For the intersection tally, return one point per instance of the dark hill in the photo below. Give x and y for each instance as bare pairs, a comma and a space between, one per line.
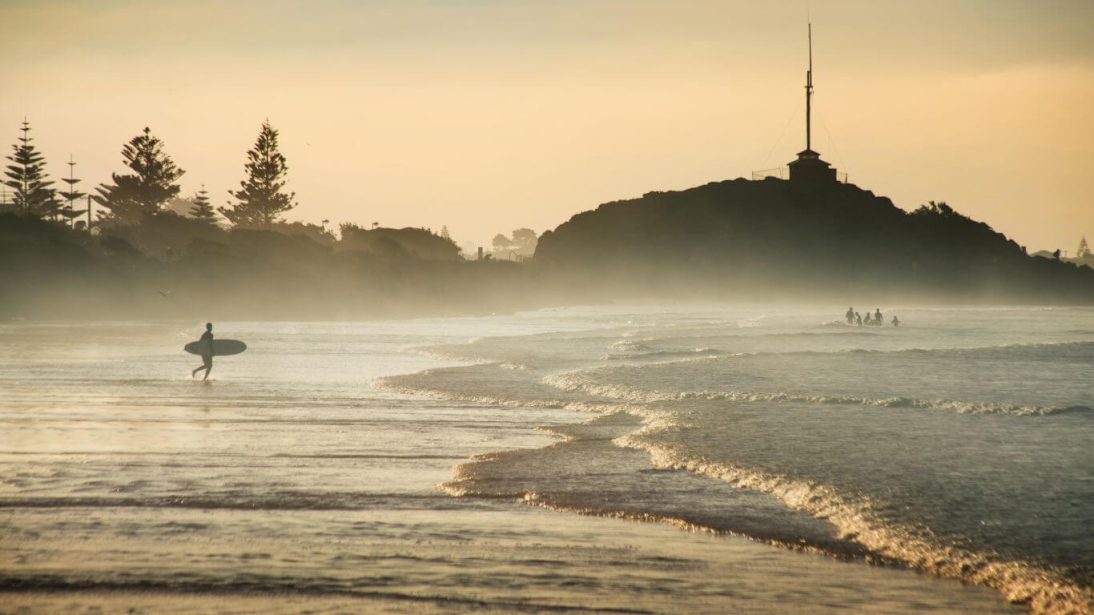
772, 238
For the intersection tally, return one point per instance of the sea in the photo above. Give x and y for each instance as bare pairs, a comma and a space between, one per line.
620, 459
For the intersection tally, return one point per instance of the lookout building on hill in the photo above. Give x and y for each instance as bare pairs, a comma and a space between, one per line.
808, 169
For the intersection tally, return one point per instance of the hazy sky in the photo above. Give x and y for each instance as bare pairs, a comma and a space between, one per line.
486, 116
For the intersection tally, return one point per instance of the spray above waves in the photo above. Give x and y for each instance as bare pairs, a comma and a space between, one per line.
582, 380
663, 355
440, 384
585, 390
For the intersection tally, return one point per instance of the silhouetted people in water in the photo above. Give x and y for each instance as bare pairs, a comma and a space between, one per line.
875, 320
207, 356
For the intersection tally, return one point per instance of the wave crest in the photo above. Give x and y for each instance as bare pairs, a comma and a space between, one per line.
1045, 591
582, 380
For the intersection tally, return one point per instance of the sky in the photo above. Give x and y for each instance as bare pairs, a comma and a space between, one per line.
487, 115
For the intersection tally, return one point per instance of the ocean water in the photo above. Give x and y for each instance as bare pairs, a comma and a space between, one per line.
746, 459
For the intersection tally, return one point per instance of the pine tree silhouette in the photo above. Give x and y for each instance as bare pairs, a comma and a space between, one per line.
260, 199
27, 177
203, 210
148, 187
72, 194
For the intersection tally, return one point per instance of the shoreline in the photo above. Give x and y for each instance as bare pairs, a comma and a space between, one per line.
461, 487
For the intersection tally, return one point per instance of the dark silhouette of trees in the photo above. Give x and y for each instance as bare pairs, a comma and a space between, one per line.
501, 243
261, 199
203, 210
399, 244
72, 194
521, 245
28, 178
524, 241
938, 209
144, 191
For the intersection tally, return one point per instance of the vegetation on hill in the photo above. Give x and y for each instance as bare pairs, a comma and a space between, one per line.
771, 238
170, 266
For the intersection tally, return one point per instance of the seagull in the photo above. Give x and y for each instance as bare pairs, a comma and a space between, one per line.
165, 293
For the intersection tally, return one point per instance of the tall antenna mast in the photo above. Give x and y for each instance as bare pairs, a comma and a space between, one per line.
809, 95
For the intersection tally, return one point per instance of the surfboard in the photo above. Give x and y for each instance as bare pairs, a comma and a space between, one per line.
221, 348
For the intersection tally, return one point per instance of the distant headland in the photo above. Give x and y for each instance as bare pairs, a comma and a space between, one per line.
776, 238
812, 235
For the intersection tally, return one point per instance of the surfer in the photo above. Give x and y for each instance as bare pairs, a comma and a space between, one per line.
207, 356
850, 316
896, 321
877, 316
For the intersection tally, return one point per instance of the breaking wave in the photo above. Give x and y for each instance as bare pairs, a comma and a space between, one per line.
584, 381
1046, 592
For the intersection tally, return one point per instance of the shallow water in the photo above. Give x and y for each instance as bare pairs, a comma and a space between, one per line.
961, 443
296, 472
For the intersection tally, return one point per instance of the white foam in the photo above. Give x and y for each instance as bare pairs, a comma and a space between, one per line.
584, 381
1045, 591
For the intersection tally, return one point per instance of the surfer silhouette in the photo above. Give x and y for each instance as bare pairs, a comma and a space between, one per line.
207, 355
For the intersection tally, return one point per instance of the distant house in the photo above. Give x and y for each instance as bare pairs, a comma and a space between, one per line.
809, 168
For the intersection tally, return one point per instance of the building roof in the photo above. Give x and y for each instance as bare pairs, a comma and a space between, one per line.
808, 156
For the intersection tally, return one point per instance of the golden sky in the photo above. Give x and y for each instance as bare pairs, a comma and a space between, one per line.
489, 115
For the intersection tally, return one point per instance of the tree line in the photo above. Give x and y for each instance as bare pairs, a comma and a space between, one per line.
148, 183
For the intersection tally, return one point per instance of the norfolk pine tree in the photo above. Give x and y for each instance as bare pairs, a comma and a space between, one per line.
203, 210
147, 188
260, 200
72, 194
28, 178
